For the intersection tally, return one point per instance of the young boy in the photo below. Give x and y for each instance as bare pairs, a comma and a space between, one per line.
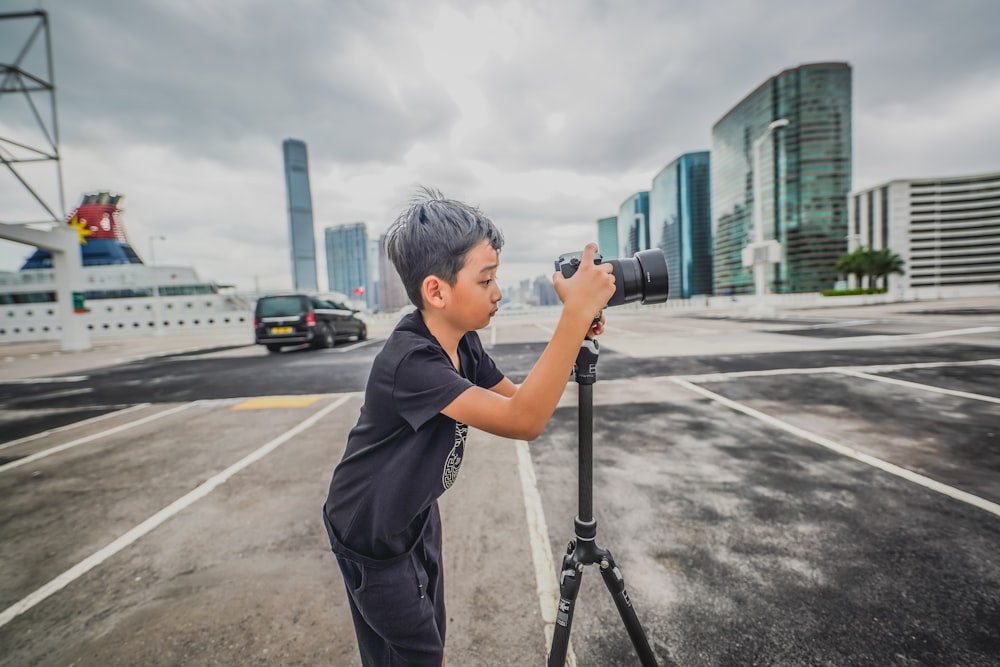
431, 381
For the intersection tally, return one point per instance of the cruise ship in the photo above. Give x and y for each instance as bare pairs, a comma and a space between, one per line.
122, 295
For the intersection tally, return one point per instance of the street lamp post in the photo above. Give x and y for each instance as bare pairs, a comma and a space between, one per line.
153, 279
761, 254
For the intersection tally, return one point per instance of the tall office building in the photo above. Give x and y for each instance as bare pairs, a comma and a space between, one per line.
300, 215
633, 224
392, 294
805, 179
680, 223
375, 293
607, 237
946, 231
347, 261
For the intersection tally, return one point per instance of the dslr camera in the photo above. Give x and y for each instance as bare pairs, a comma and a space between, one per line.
642, 277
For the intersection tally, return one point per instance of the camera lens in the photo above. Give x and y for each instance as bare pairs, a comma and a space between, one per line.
643, 278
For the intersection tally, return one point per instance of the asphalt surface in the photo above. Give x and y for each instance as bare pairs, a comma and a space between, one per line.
818, 487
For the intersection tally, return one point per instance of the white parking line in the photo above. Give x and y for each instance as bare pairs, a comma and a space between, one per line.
927, 482
888, 368
85, 422
929, 334
152, 522
842, 324
538, 531
90, 438
46, 380
922, 387
356, 344
620, 331
874, 368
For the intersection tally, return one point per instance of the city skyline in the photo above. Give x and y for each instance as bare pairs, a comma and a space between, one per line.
545, 123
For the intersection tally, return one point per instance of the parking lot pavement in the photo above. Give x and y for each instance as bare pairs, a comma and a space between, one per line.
792, 490
799, 512
45, 359
135, 543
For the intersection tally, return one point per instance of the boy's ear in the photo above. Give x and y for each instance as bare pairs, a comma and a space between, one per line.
434, 290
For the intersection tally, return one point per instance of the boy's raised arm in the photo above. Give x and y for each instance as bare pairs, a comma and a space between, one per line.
525, 413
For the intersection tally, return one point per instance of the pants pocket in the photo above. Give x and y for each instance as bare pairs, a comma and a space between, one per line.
396, 605
355, 574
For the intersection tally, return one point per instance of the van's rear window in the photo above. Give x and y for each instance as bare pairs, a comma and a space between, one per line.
280, 305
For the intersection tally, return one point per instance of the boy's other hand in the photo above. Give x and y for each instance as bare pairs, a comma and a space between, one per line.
591, 286
597, 328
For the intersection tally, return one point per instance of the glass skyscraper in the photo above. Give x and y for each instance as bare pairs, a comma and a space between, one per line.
300, 215
805, 179
680, 223
347, 261
633, 224
607, 237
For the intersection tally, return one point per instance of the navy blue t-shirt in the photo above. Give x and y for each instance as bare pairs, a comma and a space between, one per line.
403, 453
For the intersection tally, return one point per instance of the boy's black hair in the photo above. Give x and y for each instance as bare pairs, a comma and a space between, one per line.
432, 238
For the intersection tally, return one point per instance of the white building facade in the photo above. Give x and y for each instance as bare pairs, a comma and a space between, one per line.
946, 230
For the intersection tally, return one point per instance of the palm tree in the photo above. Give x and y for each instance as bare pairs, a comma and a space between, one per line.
873, 264
883, 262
853, 264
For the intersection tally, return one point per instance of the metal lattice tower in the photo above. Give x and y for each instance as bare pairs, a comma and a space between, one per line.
29, 128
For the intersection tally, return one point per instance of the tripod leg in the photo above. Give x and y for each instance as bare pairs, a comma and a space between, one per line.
616, 585
569, 587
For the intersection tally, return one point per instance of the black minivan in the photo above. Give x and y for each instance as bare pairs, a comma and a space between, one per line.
283, 320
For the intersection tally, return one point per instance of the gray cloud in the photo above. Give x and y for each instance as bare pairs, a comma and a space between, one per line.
183, 106
204, 81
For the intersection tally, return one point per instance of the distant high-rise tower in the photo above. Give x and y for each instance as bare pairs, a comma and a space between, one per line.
347, 261
391, 293
633, 224
680, 223
607, 236
804, 181
300, 215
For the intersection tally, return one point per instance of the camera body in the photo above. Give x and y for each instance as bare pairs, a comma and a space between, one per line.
642, 277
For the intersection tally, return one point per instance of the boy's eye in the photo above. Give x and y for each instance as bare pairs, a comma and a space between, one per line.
486, 283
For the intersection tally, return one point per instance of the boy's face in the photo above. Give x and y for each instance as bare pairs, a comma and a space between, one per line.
475, 294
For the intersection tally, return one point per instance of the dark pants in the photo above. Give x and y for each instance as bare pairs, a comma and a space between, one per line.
398, 605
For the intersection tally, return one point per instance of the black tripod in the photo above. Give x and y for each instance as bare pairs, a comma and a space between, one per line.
584, 550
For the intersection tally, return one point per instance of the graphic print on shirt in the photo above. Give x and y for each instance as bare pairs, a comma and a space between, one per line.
454, 460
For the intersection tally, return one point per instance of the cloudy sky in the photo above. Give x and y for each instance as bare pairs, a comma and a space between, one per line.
547, 115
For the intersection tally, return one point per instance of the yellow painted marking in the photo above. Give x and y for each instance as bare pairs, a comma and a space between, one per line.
268, 402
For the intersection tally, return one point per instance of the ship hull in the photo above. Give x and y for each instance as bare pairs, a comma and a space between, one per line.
121, 301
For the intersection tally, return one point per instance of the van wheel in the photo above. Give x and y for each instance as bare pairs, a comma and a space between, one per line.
363, 332
326, 338
273, 349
